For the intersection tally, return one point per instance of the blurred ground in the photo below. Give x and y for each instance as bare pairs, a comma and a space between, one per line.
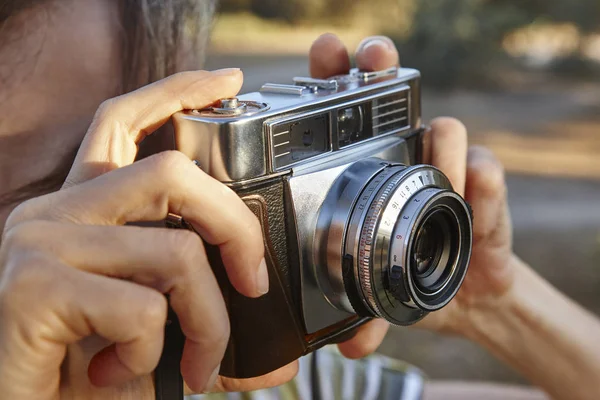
547, 134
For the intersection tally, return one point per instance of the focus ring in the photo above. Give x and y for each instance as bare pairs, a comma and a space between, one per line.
371, 234
366, 242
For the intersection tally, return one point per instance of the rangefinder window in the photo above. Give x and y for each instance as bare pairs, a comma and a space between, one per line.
298, 140
351, 125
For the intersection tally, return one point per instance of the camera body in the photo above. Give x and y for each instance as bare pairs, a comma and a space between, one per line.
354, 228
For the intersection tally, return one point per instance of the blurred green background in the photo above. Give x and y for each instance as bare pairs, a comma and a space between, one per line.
457, 42
524, 77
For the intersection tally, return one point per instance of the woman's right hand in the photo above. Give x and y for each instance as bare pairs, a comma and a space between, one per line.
71, 271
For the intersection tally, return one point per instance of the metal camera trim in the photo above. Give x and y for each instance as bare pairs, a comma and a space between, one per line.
370, 237
272, 123
465, 243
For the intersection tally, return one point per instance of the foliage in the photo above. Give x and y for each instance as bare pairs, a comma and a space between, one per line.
293, 11
450, 41
460, 41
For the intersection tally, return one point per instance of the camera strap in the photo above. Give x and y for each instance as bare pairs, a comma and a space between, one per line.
168, 382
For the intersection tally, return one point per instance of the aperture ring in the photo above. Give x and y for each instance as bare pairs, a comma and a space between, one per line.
366, 244
380, 214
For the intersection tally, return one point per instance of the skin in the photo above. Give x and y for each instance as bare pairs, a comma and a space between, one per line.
65, 332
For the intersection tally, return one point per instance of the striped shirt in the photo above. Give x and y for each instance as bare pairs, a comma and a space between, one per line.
327, 375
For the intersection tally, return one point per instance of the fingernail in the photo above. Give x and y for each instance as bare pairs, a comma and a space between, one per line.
212, 381
374, 42
262, 278
226, 71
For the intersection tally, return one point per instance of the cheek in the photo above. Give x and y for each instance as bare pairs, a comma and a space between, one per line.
80, 62
90, 50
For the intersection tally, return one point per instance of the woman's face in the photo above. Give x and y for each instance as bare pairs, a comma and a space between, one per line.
58, 62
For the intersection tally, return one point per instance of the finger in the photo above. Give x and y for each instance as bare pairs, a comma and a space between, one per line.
121, 123
445, 147
272, 379
149, 189
376, 53
485, 191
171, 261
51, 305
328, 57
137, 349
367, 339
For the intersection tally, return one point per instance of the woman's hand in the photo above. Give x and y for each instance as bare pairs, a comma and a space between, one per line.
475, 173
481, 182
82, 297
503, 304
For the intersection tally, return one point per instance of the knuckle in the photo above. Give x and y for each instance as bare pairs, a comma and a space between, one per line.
109, 113
153, 313
183, 248
106, 109
21, 213
23, 236
24, 276
169, 165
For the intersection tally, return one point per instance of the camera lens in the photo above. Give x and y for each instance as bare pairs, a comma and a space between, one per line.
434, 250
427, 249
406, 246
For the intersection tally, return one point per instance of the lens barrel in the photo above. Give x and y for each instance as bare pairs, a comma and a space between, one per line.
409, 237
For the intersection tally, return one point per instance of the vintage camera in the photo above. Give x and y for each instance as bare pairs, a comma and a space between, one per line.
354, 227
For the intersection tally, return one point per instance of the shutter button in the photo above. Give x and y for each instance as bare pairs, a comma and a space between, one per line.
230, 106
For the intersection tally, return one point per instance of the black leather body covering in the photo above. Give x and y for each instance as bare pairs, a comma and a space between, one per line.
267, 332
